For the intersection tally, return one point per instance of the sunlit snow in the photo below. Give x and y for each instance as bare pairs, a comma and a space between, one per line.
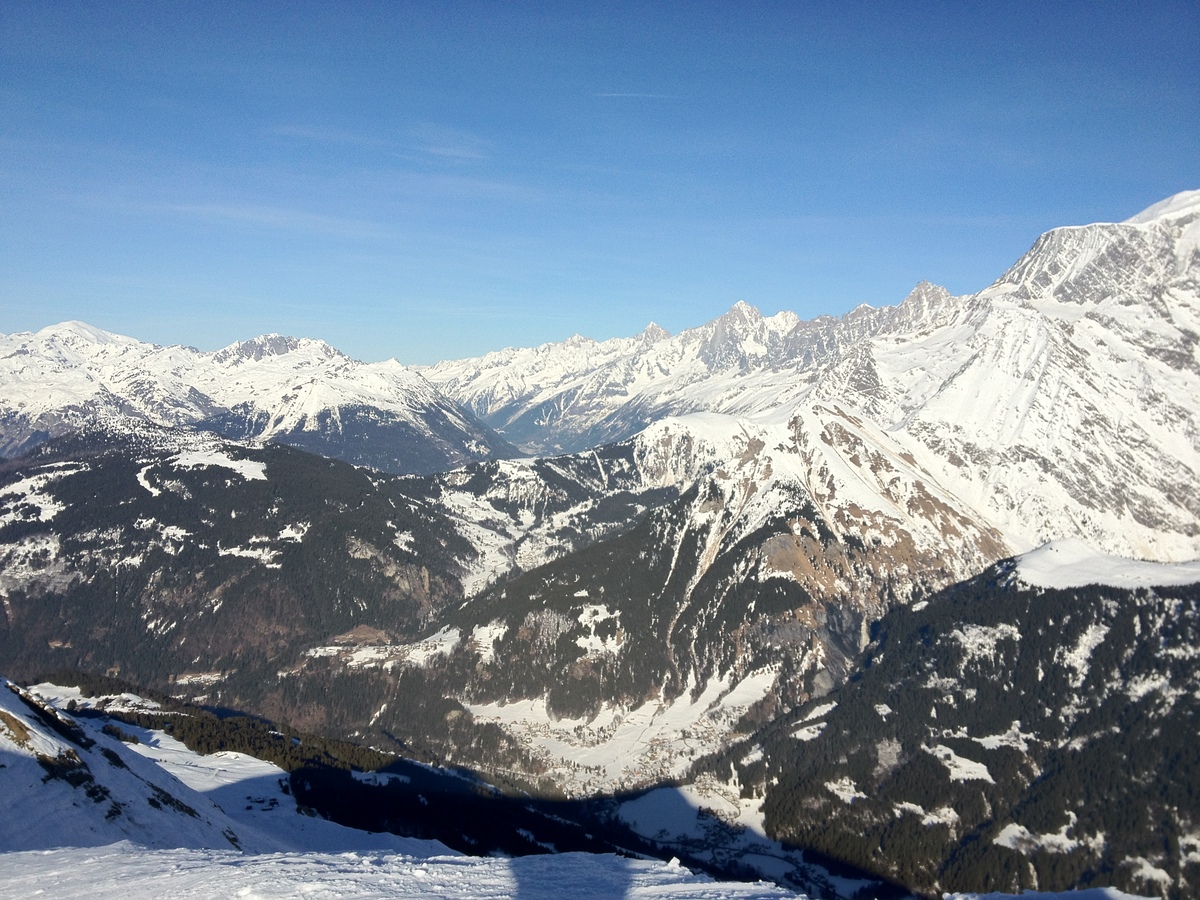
1071, 563
249, 469
624, 748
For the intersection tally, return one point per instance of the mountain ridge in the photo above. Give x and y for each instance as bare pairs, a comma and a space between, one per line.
299, 391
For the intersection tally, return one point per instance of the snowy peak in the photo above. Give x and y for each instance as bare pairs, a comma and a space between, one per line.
743, 338
1133, 261
654, 333
925, 300
75, 332
741, 315
1185, 203
734, 339
298, 391
67, 343
1059, 401
269, 345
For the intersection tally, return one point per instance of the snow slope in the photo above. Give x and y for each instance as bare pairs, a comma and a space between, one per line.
222, 826
155, 793
127, 872
1071, 563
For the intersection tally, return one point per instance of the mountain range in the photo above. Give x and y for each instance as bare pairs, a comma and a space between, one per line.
713, 537
1068, 384
272, 388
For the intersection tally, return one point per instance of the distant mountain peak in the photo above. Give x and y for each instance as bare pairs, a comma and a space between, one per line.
81, 331
298, 391
928, 292
654, 333
742, 312
267, 345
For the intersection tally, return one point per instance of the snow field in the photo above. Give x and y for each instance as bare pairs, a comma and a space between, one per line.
959, 767
1071, 563
250, 470
124, 871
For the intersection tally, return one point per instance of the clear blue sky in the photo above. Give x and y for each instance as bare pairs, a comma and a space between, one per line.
436, 180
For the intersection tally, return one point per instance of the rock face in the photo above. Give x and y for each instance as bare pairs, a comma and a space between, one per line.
272, 388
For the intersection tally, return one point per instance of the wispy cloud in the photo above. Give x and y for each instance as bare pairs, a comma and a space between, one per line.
282, 218
450, 143
428, 139
637, 96
326, 136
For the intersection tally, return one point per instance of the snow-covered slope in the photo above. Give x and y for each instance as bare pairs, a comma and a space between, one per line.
64, 787
68, 782
302, 392
157, 820
127, 872
1071, 563
1063, 400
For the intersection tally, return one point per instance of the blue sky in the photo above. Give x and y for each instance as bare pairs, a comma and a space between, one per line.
436, 180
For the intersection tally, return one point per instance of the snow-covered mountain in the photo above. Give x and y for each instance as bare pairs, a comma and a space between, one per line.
1062, 400
873, 460
272, 388
246, 575
578, 394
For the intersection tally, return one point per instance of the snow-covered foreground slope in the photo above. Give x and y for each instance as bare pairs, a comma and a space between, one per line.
80, 786
301, 392
85, 814
58, 836
127, 872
